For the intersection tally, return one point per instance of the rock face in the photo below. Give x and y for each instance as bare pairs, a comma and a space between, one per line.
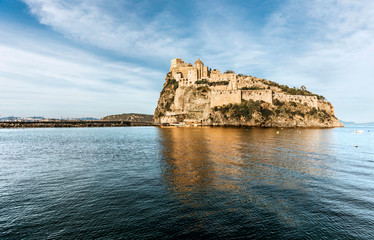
209, 98
129, 117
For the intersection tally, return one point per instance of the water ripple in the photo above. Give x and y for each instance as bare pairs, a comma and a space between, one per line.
199, 183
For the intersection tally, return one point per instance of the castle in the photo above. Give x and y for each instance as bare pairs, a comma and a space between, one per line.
223, 89
237, 87
187, 75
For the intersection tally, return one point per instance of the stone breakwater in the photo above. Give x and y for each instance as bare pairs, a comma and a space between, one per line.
71, 124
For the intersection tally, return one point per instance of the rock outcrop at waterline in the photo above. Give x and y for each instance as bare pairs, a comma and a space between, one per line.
195, 94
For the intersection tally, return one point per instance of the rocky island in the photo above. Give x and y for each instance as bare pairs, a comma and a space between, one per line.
195, 95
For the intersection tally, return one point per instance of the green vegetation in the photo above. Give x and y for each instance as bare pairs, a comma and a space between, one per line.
172, 82
229, 71
276, 102
168, 90
218, 83
168, 104
322, 114
313, 111
265, 112
203, 88
245, 109
159, 114
252, 88
202, 81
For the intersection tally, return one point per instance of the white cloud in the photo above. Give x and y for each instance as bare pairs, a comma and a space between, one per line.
114, 26
44, 77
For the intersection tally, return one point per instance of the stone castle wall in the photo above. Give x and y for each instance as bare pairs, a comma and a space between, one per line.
224, 97
258, 95
323, 105
311, 101
250, 82
222, 76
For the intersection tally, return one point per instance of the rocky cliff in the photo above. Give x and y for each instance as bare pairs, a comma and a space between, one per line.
250, 102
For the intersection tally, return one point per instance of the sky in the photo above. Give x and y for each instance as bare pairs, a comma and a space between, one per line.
92, 58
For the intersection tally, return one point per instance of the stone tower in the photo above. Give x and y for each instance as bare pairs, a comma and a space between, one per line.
199, 65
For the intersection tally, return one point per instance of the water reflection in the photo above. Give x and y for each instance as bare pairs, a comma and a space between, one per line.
250, 166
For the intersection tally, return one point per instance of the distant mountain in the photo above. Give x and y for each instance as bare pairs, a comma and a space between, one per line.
357, 124
131, 117
11, 118
35, 118
86, 119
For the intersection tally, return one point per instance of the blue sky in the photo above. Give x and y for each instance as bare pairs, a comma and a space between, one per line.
93, 58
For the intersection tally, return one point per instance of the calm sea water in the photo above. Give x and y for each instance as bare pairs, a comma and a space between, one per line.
200, 183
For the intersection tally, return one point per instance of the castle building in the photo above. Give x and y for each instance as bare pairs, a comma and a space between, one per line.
187, 74
216, 89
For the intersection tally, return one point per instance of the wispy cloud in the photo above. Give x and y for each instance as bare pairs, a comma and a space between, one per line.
53, 78
116, 26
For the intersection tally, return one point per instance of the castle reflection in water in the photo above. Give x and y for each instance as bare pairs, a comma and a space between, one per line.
246, 164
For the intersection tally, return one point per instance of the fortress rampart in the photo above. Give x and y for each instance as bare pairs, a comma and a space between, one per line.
311, 101
224, 97
326, 106
258, 95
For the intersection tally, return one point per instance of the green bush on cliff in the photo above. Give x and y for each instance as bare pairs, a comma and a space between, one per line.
167, 105
298, 112
276, 102
252, 88
202, 81
313, 111
172, 82
159, 114
244, 109
203, 89
266, 113
218, 83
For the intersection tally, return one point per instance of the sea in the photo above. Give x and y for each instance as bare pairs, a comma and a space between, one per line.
187, 183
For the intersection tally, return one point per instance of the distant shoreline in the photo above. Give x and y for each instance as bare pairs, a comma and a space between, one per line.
70, 124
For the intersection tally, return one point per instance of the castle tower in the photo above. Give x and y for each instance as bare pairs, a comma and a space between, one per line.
177, 62
199, 66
